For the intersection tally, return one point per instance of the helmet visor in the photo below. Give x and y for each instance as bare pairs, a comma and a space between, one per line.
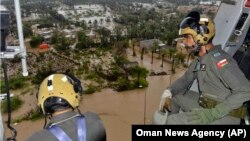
189, 22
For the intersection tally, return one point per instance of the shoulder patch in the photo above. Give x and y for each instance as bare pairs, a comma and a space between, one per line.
216, 54
222, 63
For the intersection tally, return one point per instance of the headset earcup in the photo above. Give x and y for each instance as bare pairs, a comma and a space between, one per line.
76, 83
76, 88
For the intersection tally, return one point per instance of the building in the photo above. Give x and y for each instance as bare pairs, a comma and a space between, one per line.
210, 2
147, 44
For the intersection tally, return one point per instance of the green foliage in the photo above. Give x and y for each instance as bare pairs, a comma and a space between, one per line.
180, 57
114, 73
81, 36
104, 36
45, 23
91, 75
62, 44
16, 59
120, 60
142, 83
137, 70
83, 41
15, 103
33, 114
14, 83
41, 74
54, 37
36, 40
122, 84
90, 89
27, 31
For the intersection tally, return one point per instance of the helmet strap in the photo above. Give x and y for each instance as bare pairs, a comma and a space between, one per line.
197, 48
79, 112
45, 121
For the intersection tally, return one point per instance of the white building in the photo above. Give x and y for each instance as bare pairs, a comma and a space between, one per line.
210, 2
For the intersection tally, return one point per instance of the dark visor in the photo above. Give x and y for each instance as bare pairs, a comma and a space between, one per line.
189, 22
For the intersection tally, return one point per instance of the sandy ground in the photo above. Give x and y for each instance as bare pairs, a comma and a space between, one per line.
118, 110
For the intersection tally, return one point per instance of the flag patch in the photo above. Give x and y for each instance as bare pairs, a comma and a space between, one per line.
222, 63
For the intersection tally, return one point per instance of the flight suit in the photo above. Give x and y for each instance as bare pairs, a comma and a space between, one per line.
95, 130
219, 79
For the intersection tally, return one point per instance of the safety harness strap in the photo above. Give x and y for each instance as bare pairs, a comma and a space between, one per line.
62, 136
59, 133
81, 128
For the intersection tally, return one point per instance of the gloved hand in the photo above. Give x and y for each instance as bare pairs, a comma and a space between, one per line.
205, 116
165, 101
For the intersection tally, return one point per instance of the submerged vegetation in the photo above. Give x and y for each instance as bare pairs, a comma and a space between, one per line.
15, 103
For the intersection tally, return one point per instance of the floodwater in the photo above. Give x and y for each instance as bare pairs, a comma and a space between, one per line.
118, 110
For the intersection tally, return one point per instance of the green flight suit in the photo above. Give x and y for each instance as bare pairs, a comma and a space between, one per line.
95, 130
219, 78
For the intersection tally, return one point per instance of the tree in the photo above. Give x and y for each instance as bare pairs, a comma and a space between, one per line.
95, 23
120, 48
153, 49
63, 43
27, 31
118, 32
163, 53
133, 44
101, 21
139, 72
181, 57
36, 40
142, 52
108, 20
104, 35
54, 37
172, 51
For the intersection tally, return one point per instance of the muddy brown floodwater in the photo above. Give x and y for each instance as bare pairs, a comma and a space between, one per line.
118, 110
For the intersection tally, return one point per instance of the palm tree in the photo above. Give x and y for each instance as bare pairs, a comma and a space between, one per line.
171, 52
153, 49
163, 52
95, 23
173, 63
181, 57
118, 32
101, 21
142, 52
133, 43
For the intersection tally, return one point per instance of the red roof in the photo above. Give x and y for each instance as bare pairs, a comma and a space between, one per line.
43, 46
